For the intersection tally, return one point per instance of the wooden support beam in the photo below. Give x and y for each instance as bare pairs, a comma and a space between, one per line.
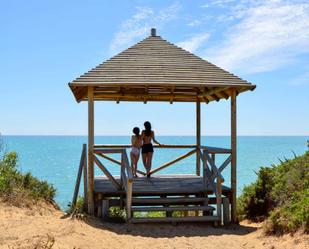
198, 137
107, 173
173, 161
107, 151
226, 162
214, 169
79, 176
211, 91
223, 94
166, 146
141, 96
117, 162
146, 94
172, 95
206, 100
215, 97
109, 158
234, 157
207, 176
90, 150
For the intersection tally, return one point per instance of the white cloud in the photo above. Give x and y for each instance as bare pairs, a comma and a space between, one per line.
217, 3
194, 42
268, 36
253, 36
194, 23
140, 24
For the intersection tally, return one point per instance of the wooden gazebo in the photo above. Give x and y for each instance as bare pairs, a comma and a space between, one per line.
156, 70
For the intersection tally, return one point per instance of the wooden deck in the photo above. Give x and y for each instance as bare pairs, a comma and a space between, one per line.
182, 193
157, 185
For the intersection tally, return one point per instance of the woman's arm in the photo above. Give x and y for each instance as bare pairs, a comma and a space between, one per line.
154, 139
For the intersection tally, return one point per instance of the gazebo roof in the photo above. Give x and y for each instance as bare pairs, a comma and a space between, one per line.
157, 70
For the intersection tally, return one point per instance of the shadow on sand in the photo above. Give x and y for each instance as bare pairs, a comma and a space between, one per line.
169, 230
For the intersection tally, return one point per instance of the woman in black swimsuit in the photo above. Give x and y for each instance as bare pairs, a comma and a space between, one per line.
147, 149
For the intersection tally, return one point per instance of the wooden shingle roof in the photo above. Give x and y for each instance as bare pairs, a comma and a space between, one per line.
157, 70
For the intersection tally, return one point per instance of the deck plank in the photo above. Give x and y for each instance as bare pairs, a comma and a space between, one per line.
156, 185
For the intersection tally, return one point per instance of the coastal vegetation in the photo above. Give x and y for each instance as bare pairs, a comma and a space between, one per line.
21, 189
280, 195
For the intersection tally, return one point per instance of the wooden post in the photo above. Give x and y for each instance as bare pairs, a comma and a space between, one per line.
129, 200
105, 209
98, 201
226, 210
219, 198
234, 157
90, 151
198, 137
85, 174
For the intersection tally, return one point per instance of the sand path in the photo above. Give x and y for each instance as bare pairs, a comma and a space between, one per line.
22, 228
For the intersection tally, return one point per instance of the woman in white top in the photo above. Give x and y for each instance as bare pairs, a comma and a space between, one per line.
136, 141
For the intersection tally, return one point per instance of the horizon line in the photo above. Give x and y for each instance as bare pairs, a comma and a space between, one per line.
173, 135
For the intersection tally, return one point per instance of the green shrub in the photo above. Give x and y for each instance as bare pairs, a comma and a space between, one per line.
255, 201
14, 185
281, 193
79, 208
117, 212
290, 216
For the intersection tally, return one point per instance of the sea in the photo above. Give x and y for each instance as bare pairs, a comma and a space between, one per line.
56, 158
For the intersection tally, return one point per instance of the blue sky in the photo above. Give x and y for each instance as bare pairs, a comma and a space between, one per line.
46, 44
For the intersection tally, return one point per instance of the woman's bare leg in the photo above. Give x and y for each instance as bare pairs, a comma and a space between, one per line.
136, 162
149, 161
134, 166
132, 162
144, 157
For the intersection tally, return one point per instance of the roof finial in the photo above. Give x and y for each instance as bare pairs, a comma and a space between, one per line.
153, 32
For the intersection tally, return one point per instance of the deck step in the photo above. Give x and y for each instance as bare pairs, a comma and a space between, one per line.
171, 209
169, 200
175, 219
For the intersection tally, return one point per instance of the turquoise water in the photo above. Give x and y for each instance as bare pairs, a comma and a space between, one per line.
56, 158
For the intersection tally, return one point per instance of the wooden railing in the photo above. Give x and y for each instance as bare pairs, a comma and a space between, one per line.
159, 168
126, 177
127, 182
210, 151
212, 175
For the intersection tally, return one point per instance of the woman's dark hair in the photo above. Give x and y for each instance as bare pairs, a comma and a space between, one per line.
136, 131
147, 128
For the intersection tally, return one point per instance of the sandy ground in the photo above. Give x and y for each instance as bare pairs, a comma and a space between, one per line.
46, 228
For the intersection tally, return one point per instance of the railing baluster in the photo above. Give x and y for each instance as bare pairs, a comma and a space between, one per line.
127, 182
